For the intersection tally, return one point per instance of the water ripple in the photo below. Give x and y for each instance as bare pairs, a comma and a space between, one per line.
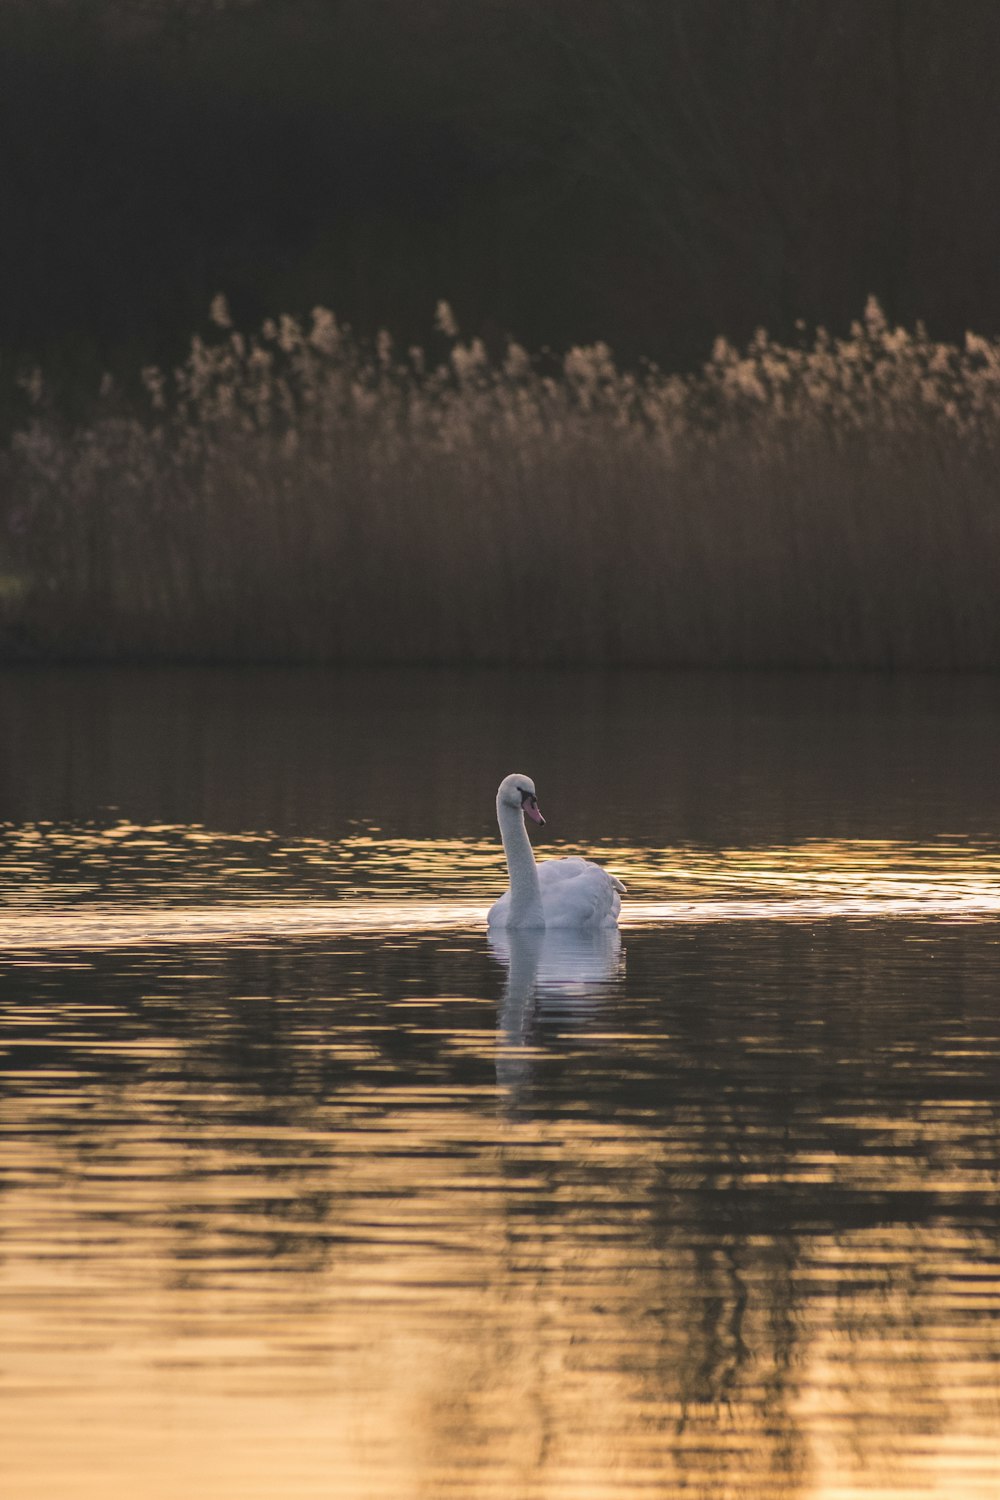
126, 886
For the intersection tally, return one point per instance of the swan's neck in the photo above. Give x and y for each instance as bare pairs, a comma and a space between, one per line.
525, 891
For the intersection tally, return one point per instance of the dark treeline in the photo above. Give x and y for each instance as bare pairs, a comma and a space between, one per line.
650, 172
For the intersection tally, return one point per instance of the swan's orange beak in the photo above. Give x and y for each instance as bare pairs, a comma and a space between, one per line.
531, 811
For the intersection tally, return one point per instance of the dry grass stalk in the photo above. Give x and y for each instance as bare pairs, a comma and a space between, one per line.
289, 496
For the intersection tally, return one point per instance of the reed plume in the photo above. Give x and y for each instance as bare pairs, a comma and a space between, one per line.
292, 495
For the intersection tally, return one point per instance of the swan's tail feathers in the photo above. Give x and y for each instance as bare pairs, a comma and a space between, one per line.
617, 884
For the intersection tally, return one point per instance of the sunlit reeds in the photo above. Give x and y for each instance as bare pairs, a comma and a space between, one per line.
292, 495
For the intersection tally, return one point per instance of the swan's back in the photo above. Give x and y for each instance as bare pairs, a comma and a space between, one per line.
578, 893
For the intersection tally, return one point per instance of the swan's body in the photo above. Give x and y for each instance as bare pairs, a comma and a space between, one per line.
572, 892
569, 892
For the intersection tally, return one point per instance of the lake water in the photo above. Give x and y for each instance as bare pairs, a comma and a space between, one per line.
307, 1189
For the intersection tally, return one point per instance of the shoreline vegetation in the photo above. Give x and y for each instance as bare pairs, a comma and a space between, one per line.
293, 496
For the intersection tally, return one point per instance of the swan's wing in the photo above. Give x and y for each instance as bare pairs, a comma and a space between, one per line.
578, 893
552, 872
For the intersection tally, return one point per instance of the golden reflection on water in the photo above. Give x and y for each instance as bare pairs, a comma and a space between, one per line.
386, 1316
707, 1209
127, 884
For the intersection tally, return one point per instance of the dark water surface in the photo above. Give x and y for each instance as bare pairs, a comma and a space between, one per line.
306, 1189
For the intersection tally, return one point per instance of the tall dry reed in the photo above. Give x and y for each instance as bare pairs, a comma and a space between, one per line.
289, 496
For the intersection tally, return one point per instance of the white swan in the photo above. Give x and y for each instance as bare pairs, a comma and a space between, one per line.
567, 892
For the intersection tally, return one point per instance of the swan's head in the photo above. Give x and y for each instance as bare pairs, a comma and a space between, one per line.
519, 791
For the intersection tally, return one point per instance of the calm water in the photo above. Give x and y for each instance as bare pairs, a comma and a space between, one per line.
306, 1189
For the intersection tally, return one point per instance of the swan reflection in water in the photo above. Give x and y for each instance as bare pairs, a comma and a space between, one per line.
554, 975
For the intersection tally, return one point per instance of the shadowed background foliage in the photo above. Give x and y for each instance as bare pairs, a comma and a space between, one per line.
608, 193
649, 172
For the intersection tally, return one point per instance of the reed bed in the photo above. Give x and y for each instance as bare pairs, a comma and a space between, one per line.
292, 496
